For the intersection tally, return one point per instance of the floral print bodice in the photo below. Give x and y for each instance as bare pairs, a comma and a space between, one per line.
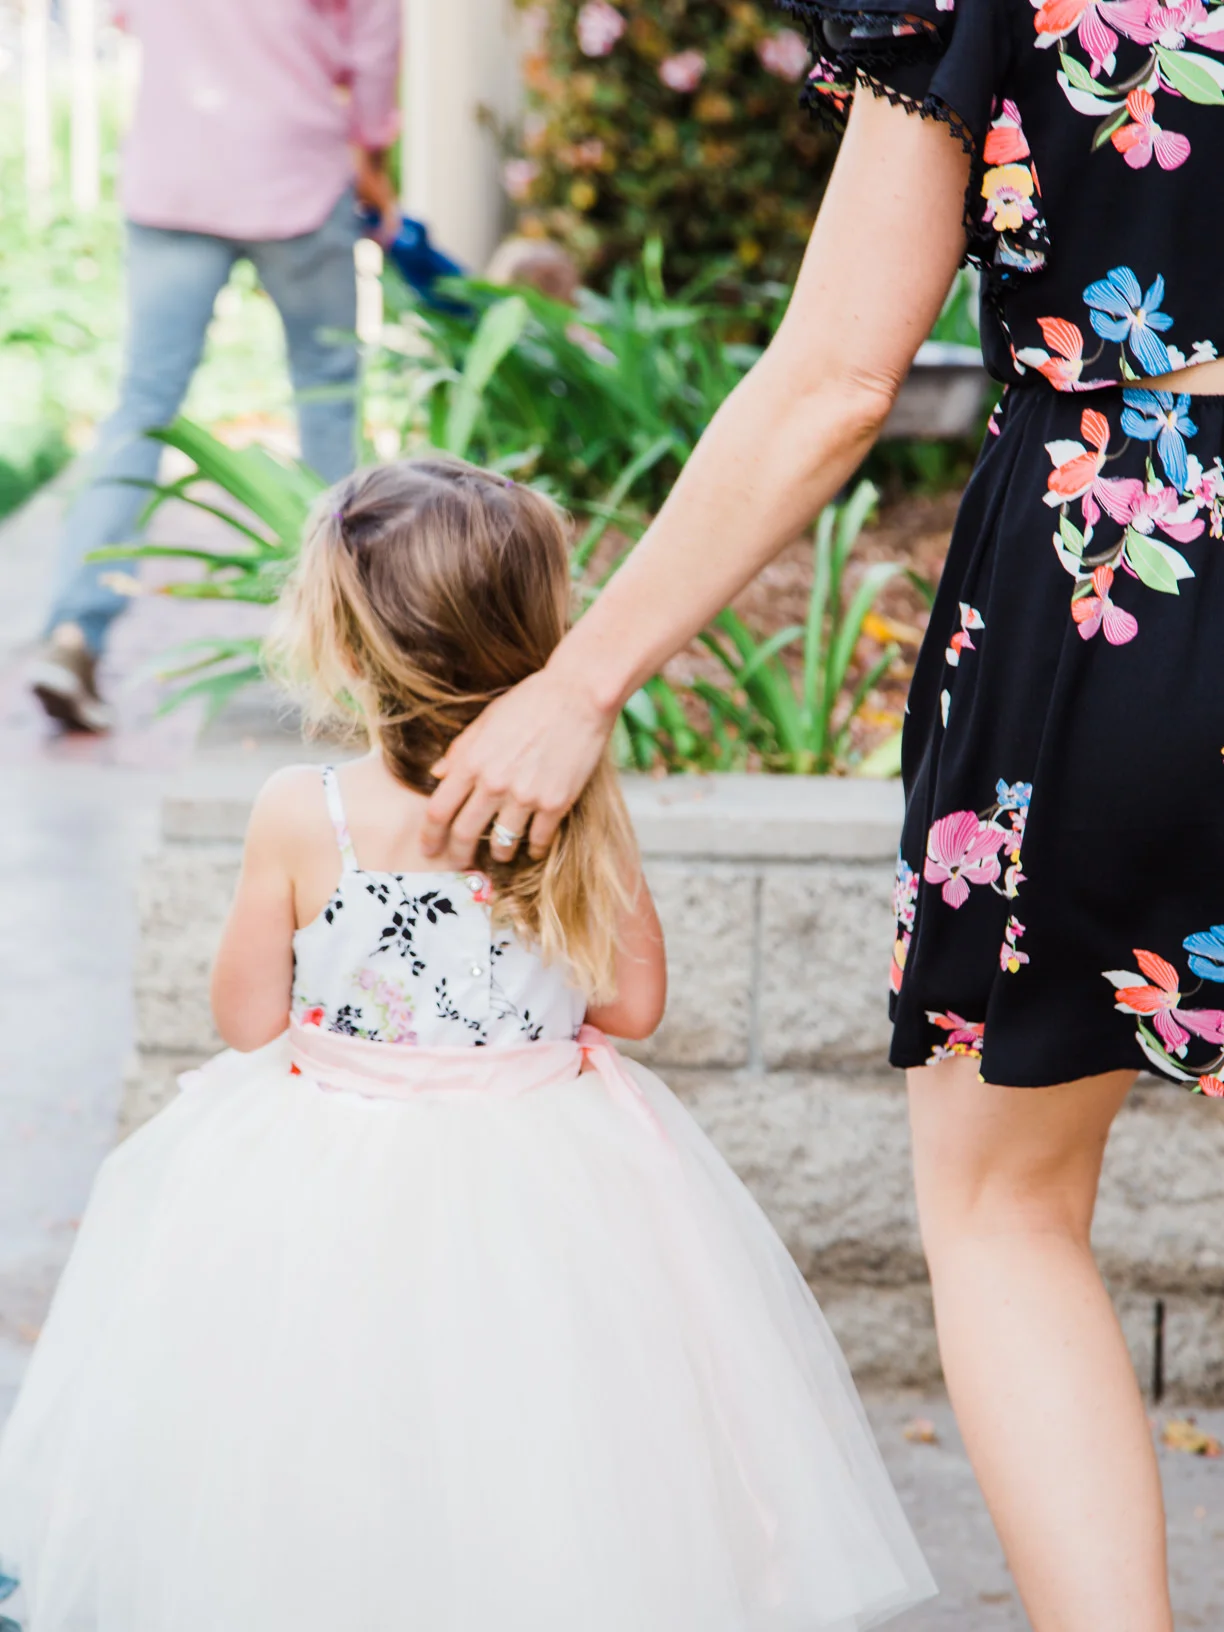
413, 958
1095, 128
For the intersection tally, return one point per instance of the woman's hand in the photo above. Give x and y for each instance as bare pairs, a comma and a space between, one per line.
520, 766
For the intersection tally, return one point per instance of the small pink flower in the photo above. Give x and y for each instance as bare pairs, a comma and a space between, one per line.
1144, 140
535, 29
964, 1036
311, 1017
598, 28
784, 55
1160, 999
519, 176
962, 850
683, 72
1128, 501
1097, 612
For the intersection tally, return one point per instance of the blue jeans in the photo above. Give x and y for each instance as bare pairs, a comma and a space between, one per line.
173, 279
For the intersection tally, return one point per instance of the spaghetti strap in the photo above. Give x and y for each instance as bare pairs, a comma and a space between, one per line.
335, 809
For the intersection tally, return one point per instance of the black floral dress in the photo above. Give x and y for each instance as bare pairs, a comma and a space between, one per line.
1060, 888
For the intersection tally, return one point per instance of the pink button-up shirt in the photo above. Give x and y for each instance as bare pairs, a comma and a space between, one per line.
247, 110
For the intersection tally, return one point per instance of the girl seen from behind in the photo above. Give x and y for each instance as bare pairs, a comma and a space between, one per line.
423, 1307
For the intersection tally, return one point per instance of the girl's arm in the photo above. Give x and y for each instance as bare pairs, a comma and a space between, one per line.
882, 255
641, 974
252, 978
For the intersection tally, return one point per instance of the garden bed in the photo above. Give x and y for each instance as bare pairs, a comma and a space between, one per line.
912, 528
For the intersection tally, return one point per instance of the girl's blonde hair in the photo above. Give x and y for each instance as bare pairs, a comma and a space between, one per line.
424, 590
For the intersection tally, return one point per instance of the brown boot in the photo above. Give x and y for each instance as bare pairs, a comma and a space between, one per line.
64, 679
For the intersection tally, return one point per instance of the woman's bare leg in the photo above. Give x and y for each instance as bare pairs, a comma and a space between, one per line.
1032, 1351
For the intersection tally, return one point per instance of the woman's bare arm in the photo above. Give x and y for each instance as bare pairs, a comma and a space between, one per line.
881, 258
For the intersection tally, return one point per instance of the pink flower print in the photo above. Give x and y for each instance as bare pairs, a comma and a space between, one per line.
965, 1037
1138, 143
1098, 612
519, 176
311, 1017
1077, 468
962, 850
1057, 18
599, 26
971, 619
1011, 959
1160, 999
683, 72
1063, 364
1128, 501
1171, 27
784, 55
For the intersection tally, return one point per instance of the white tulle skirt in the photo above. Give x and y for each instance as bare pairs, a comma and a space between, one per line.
461, 1360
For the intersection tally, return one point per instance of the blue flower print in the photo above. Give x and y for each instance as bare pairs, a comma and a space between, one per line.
1120, 311
1156, 416
1019, 796
1206, 949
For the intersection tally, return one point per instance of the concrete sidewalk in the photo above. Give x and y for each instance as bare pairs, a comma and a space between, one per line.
75, 819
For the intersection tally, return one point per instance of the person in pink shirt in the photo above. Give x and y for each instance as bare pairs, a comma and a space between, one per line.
258, 125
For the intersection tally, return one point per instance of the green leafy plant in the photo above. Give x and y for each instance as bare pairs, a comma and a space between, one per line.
801, 722
275, 496
671, 118
560, 397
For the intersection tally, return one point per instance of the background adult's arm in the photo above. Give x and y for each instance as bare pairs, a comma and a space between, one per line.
374, 70
881, 258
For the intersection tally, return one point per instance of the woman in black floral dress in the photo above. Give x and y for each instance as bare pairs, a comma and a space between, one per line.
1060, 888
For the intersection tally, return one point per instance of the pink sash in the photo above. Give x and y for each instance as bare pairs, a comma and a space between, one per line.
400, 1071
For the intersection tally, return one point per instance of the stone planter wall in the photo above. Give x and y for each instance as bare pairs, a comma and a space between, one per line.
774, 894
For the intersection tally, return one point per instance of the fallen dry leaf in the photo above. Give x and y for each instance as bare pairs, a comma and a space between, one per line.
921, 1431
1184, 1434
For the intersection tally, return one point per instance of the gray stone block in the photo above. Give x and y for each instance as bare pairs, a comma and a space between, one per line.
887, 1333
828, 1160
826, 933
1160, 1219
709, 921
185, 893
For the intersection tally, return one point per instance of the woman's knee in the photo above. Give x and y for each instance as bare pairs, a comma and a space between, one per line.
991, 1160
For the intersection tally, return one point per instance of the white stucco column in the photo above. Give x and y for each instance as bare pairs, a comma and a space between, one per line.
461, 56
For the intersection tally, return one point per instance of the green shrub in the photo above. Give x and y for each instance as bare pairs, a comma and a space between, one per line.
676, 119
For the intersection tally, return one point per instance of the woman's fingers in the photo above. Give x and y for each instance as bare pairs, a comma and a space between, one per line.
543, 831
509, 828
445, 803
470, 826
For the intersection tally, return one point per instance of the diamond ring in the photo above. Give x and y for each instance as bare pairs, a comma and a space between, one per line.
505, 836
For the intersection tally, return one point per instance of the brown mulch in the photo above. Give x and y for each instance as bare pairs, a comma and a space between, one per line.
913, 529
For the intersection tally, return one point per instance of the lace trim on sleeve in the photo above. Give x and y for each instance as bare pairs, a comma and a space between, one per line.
1006, 233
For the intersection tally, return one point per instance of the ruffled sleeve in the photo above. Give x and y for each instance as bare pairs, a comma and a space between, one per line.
944, 60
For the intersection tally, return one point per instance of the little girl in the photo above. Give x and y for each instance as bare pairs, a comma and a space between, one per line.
425, 1311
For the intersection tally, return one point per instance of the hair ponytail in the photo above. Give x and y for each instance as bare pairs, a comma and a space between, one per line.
424, 590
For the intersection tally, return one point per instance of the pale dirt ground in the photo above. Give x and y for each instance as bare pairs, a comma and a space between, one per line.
75, 819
